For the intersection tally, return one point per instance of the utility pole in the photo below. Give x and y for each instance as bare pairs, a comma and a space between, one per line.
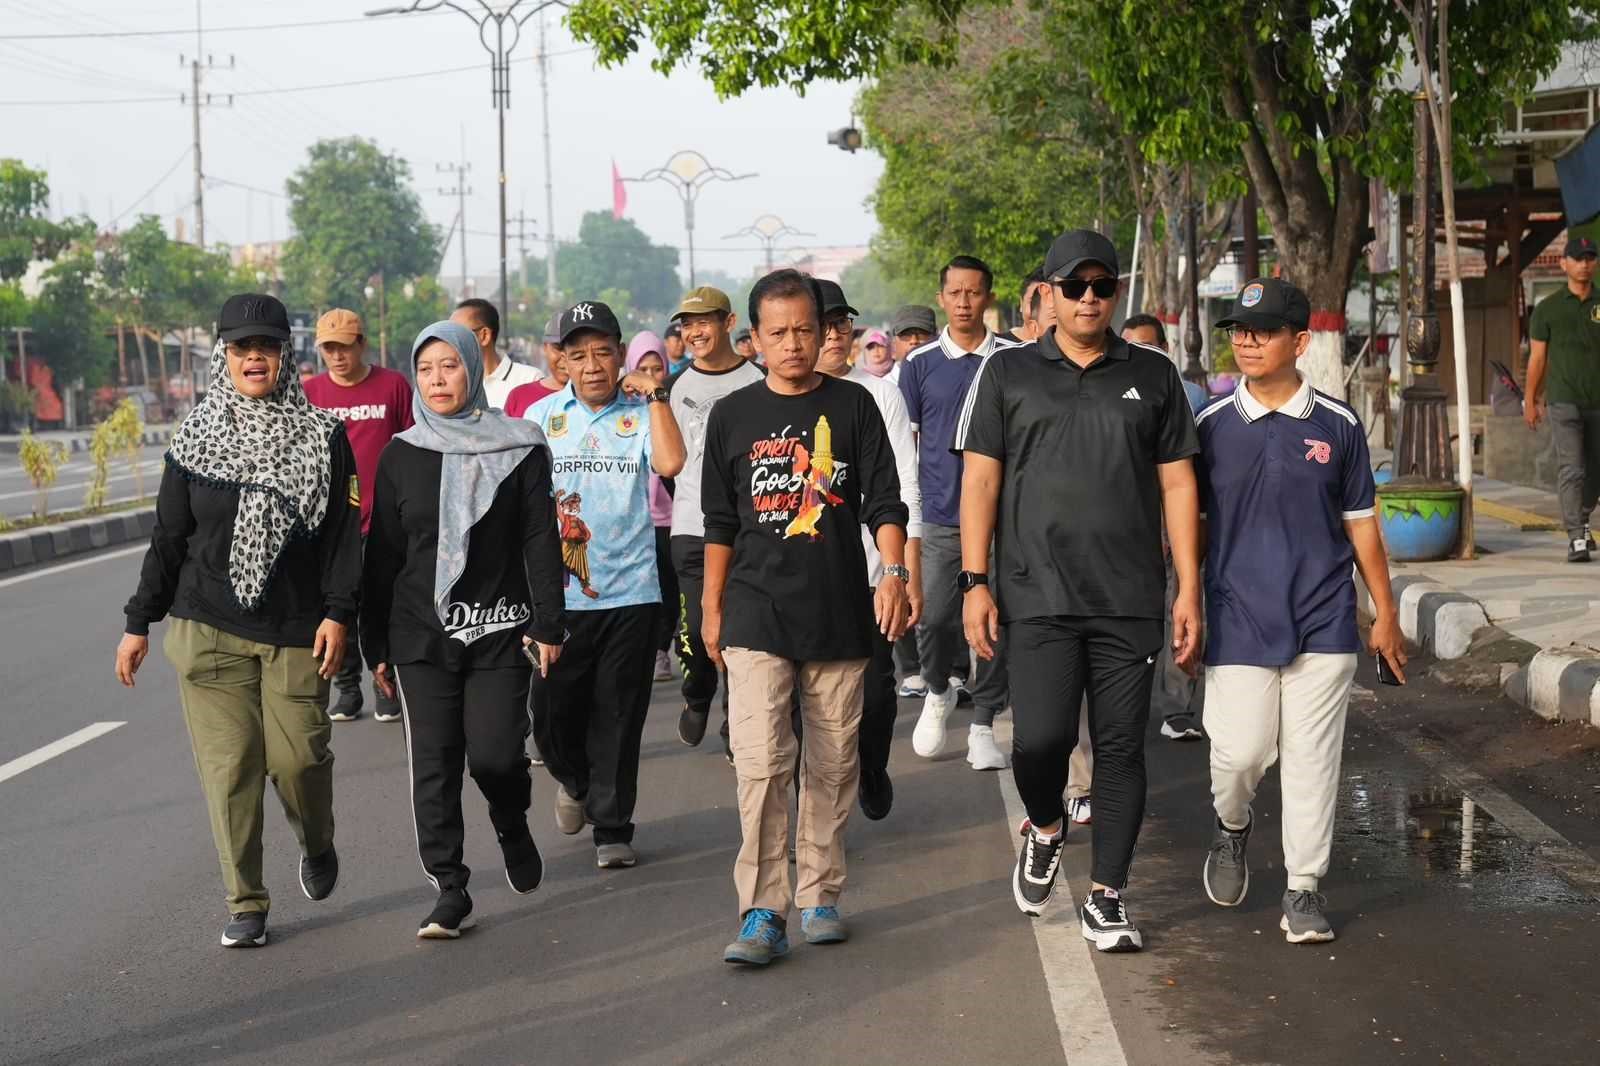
194, 99
460, 191
549, 181
522, 221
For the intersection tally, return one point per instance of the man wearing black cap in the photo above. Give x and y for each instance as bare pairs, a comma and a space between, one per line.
1081, 424
913, 326
1286, 488
607, 434
744, 346
1564, 364
672, 339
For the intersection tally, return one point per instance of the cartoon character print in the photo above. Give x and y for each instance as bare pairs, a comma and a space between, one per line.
816, 473
575, 535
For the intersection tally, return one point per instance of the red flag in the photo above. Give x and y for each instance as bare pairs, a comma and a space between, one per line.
619, 192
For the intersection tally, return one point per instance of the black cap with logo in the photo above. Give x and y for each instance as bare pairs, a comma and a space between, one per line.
253, 315
1578, 247
1268, 303
833, 300
1076, 247
589, 314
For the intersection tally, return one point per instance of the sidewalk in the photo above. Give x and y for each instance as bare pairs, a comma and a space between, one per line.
77, 440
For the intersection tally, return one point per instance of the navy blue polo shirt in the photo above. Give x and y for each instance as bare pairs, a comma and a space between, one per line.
1276, 488
934, 380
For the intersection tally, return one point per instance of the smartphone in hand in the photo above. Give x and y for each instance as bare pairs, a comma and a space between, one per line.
1386, 673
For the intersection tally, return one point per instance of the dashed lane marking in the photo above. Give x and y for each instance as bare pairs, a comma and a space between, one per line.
56, 747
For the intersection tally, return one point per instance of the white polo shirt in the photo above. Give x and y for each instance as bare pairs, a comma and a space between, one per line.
507, 376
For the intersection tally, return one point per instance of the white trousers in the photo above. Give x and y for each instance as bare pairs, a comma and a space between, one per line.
1256, 714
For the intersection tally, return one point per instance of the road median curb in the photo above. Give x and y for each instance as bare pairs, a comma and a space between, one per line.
80, 442
47, 544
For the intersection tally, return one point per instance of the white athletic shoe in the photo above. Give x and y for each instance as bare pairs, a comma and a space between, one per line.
927, 740
982, 752
913, 688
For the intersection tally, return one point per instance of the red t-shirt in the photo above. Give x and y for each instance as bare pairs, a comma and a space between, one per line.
519, 399
373, 412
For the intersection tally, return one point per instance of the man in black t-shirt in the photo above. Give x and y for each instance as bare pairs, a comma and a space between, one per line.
1074, 448
794, 465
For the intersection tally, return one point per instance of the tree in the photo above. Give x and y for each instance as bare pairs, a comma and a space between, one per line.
70, 325
413, 306
354, 214
878, 293
612, 253
1310, 93
26, 234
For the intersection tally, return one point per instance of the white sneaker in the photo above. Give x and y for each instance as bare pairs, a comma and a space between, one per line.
1079, 811
982, 752
913, 688
927, 740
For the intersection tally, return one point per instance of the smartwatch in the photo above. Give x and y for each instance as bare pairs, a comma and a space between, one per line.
661, 395
967, 580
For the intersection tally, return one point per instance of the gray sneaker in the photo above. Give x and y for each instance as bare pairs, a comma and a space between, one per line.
615, 856
1303, 921
247, 929
569, 812
1227, 873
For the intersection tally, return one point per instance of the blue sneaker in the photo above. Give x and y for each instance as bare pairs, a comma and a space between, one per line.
822, 925
761, 939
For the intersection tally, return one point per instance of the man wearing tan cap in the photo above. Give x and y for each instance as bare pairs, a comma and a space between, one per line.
375, 404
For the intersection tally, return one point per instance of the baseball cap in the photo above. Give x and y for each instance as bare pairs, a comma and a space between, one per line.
674, 330
589, 314
913, 316
552, 329
703, 301
1578, 247
340, 325
875, 336
1076, 247
833, 299
1268, 303
253, 314
742, 335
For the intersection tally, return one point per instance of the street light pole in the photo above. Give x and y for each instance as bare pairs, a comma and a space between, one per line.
1193, 371
688, 172
489, 20
769, 229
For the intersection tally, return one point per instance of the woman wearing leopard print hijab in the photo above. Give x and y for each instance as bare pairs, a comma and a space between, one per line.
256, 555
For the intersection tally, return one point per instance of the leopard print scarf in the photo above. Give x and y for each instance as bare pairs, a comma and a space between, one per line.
276, 451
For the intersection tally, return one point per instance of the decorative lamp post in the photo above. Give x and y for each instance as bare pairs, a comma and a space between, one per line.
688, 172
769, 229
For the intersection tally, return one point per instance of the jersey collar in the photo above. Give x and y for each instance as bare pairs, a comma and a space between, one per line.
1299, 406
952, 350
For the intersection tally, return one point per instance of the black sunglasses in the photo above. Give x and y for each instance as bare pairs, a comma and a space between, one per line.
1074, 288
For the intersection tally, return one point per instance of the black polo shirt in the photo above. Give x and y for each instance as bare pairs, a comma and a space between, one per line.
1079, 526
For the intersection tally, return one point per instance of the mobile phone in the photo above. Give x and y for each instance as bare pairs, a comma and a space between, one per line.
530, 652
1386, 673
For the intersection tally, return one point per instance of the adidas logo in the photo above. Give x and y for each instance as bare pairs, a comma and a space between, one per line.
1132, 394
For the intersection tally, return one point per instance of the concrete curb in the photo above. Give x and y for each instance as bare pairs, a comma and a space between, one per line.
32, 547
80, 442
1558, 684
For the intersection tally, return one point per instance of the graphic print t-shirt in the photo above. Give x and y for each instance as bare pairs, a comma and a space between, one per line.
373, 412
694, 393
601, 475
788, 482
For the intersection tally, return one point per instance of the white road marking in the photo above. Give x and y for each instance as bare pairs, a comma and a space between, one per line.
47, 571
68, 488
1088, 1038
54, 748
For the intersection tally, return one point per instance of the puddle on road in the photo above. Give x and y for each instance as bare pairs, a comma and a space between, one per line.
1389, 826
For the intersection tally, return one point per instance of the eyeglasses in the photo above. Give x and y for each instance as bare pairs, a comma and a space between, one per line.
1074, 288
841, 324
1257, 337
264, 346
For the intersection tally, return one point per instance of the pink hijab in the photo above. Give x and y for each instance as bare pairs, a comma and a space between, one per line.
644, 344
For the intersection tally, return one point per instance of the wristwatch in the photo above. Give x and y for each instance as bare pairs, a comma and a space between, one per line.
896, 570
967, 580
661, 395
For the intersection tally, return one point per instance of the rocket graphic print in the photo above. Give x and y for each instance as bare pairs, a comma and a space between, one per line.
792, 482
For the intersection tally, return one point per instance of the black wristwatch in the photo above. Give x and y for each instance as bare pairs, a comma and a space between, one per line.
661, 395
968, 580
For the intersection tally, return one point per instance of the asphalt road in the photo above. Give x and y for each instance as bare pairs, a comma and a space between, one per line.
113, 905
17, 495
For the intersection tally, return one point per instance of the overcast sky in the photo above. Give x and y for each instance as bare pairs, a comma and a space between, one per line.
103, 157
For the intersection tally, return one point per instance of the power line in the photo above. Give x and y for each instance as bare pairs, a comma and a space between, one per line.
176, 33
176, 163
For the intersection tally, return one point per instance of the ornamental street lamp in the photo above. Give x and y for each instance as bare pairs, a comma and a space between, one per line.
769, 229
688, 172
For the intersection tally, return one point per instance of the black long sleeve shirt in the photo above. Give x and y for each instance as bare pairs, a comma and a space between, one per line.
788, 482
511, 586
185, 572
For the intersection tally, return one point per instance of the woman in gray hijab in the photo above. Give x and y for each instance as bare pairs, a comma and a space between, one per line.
461, 591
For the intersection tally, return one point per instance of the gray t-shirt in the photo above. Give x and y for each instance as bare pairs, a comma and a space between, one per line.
693, 392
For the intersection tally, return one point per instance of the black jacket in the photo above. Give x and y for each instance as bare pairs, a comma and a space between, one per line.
511, 586
185, 572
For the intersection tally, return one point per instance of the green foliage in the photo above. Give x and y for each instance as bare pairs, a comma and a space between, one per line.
26, 234
355, 214
877, 293
41, 460
14, 306
616, 254
70, 322
120, 433
410, 314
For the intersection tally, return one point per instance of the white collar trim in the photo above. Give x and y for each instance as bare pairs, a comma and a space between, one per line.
952, 350
1299, 406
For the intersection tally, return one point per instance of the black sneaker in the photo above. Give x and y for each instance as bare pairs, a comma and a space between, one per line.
524, 864
449, 916
246, 930
877, 794
1034, 879
1106, 924
1588, 537
1579, 551
1181, 727
347, 708
387, 711
318, 876
692, 725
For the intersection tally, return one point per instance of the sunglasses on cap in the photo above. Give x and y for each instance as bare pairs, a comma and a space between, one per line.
1074, 288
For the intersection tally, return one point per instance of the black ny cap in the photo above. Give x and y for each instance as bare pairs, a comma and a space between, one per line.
1269, 303
833, 300
1578, 247
589, 314
1076, 247
253, 315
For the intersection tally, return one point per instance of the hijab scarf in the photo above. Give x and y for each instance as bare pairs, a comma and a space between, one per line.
481, 448
276, 451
